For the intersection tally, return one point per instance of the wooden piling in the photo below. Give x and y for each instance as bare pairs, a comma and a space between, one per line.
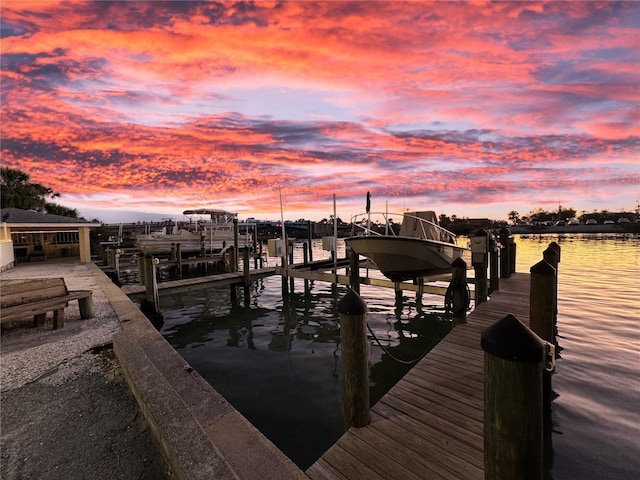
459, 290
512, 254
513, 364
141, 265
479, 258
494, 276
354, 271
247, 277
179, 266
310, 237
353, 341
505, 255
542, 300
235, 242
552, 256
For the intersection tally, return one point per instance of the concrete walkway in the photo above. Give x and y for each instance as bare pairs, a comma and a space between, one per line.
66, 411
52, 374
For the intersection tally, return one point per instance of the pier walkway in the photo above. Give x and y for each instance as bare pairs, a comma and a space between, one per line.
430, 424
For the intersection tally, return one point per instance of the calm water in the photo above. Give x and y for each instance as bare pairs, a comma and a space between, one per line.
278, 360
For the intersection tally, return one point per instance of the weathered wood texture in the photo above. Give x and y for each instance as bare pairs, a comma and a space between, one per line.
430, 424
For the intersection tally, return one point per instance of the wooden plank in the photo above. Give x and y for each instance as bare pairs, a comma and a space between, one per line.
430, 453
28, 290
350, 467
196, 283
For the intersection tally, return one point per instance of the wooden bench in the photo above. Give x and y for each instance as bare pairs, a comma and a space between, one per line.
22, 298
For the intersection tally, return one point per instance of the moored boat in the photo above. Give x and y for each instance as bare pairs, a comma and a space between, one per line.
214, 234
419, 247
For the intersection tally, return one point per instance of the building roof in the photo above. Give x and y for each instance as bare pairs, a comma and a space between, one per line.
30, 218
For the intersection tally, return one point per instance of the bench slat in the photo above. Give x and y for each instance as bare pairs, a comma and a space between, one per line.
36, 297
16, 292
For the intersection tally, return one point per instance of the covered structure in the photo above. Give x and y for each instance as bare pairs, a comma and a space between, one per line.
28, 235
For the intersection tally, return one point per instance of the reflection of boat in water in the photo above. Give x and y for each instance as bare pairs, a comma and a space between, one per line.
216, 233
417, 248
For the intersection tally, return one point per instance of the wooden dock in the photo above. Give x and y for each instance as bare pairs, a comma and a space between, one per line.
196, 283
430, 424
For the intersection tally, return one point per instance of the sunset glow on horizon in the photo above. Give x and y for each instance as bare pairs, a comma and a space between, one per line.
471, 109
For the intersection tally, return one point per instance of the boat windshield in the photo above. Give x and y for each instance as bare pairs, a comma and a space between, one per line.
414, 225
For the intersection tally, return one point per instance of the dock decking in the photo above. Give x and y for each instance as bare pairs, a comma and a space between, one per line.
430, 424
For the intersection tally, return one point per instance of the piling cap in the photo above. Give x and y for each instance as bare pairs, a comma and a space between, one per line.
510, 339
459, 263
557, 248
504, 232
543, 268
352, 304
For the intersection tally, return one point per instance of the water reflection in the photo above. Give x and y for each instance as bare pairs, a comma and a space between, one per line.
278, 360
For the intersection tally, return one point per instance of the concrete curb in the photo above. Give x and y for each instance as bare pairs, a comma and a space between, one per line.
200, 434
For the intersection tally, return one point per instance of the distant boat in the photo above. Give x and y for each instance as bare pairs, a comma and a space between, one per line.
419, 247
214, 234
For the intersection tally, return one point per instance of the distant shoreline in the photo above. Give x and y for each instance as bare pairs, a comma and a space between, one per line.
541, 229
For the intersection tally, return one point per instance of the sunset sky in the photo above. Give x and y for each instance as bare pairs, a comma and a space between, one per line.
471, 109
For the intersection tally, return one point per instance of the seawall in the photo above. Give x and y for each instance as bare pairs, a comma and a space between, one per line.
200, 434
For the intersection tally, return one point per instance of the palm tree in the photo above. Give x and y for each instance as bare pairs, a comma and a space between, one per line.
56, 209
17, 192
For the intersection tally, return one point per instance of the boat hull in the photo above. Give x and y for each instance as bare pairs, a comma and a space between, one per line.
404, 258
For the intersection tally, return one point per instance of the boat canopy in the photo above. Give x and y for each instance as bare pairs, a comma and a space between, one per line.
206, 211
420, 225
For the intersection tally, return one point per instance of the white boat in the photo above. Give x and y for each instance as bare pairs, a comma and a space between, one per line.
214, 234
418, 248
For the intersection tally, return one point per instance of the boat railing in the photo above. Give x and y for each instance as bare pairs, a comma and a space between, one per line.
366, 224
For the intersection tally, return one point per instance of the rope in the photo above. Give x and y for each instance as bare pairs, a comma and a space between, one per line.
393, 357
460, 285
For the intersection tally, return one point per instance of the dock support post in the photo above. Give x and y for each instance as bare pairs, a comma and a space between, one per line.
203, 254
116, 259
480, 246
235, 241
553, 260
246, 274
290, 253
141, 265
457, 296
542, 315
305, 260
353, 341
150, 306
480, 273
512, 254
310, 240
513, 364
179, 265
354, 270
233, 261
494, 276
283, 260
505, 255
